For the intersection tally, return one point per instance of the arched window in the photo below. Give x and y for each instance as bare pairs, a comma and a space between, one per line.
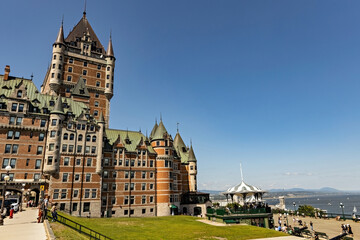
94, 139
66, 136
72, 136
80, 138
88, 138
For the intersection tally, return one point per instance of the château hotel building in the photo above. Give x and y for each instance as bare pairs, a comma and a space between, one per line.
59, 143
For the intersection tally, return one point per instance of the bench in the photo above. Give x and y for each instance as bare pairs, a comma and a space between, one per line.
306, 232
229, 221
322, 235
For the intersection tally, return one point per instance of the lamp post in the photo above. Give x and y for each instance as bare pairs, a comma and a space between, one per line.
342, 208
294, 204
22, 196
6, 178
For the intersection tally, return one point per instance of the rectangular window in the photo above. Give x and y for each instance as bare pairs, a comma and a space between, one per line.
79, 148
63, 193
132, 174
126, 200
70, 69
114, 174
87, 193
113, 200
126, 174
69, 78
132, 200
56, 194
21, 108
51, 146
143, 186
15, 148
84, 72
42, 123
113, 186
87, 149
66, 161
64, 147
98, 75
143, 200
71, 148
29, 148
13, 163
25, 176
126, 187
105, 174
14, 107
132, 186
19, 120
74, 208
106, 162
11, 120
77, 177
27, 162
143, 174
37, 163
127, 162
132, 163
65, 177
105, 186
151, 199
78, 161
86, 207
88, 177
151, 186
93, 193
99, 67
85, 64
10, 134
93, 149
88, 162
53, 122
5, 162
7, 148
50, 159
39, 150
52, 134
76, 193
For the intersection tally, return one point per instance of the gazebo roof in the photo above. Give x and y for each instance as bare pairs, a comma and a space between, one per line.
243, 188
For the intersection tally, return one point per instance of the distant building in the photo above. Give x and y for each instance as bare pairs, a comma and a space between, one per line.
58, 141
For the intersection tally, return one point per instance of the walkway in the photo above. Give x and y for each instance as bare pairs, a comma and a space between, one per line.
23, 226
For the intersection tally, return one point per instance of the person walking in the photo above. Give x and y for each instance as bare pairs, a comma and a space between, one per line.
350, 232
46, 204
40, 213
311, 226
11, 212
54, 212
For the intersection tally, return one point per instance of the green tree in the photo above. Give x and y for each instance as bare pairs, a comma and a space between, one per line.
307, 210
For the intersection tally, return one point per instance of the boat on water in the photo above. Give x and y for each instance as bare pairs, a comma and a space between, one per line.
329, 204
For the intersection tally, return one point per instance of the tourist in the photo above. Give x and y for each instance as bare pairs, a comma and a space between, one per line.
311, 226
54, 212
350, 232
46, 204
40, 213
11, 212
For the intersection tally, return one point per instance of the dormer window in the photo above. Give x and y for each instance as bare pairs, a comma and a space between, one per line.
183, 149
52, 103
82, 91
19, 94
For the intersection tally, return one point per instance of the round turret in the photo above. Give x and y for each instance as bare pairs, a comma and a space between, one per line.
57, 62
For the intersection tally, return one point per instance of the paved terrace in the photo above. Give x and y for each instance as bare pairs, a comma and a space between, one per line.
23, 226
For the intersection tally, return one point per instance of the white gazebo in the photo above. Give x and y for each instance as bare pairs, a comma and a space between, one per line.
244, 193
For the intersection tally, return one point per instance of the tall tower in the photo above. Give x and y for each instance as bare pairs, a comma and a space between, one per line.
52, 151
81, 54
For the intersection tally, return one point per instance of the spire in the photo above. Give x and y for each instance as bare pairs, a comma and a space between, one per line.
242, 177
154, 129
60, 36
192, 157
84, 13
58, 108
160, 131
179, 143
110, 51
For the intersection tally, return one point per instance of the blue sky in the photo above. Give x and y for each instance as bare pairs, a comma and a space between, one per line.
272, 84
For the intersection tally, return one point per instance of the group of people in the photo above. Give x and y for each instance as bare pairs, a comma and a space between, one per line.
346, 228
43, 209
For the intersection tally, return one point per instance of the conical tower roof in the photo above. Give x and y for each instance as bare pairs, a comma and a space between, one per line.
178, 142
60, 36
154, 129
192, 157
110, 51
160, 131
58, 108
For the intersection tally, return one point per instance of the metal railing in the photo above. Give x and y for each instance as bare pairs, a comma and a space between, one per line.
79, 228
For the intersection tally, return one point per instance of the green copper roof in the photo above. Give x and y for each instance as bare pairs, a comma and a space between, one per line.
7, 88
135, 138
154, 129
58, 108
80, 89
160, 131
178, 142
192, 157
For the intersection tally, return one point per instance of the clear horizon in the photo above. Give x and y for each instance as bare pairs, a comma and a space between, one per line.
271, 84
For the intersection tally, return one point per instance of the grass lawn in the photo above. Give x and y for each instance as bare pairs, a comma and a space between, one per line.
171, 227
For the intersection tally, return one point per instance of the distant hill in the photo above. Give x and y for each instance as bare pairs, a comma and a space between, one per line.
212, 192
323, 190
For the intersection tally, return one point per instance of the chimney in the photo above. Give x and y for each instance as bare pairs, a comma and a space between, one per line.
7, 71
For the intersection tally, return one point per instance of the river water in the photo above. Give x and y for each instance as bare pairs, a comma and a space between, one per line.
331, 203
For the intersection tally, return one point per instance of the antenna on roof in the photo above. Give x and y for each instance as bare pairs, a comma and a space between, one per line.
242, 177
84, 13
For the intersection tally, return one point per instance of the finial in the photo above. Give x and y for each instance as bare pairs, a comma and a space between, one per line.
62, 20
110, 33
140, 129
177, 127
160, 117
190, 142
32, 75
242, 178
156, 120
84, 13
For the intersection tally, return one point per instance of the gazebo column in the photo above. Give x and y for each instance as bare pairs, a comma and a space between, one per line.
232, 198
244, 198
